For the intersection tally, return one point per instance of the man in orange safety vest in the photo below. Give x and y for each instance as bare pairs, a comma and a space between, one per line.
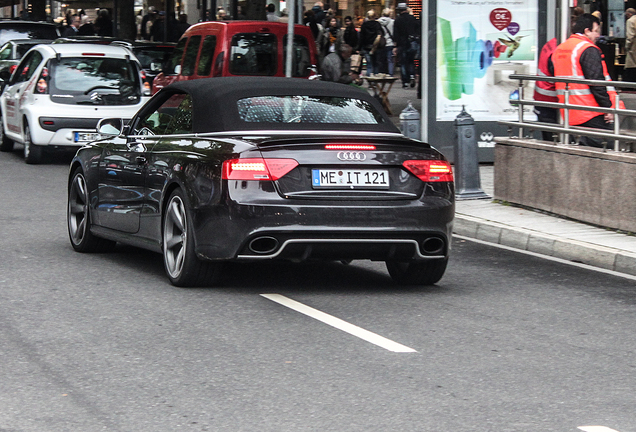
545, 91
579, 57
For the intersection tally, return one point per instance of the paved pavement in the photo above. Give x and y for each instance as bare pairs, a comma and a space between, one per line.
529, 230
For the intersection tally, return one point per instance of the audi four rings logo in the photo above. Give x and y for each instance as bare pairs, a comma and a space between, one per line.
351, 156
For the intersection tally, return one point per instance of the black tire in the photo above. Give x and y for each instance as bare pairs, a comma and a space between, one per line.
78, 217
32, 152
426, 272
6, 145
182, 266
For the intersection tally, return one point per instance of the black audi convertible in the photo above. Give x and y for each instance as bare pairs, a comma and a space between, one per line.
246, 169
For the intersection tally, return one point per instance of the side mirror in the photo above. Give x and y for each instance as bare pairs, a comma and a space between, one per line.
110, 127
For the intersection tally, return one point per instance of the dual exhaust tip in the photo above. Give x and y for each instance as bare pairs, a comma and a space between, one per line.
266, 244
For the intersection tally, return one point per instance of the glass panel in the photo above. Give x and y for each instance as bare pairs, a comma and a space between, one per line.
27, 31
175, 58
181, 123
157, 122
94, 81
207, 54
5, 54
253, 54
301, 59
307, 109
191, 56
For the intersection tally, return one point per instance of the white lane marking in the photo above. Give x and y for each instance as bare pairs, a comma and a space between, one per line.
339, 324
548, 257
596, 429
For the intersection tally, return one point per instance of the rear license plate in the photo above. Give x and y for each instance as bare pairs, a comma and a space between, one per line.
378, 179
85, 136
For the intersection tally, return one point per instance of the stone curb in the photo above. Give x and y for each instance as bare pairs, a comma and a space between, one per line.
545, 244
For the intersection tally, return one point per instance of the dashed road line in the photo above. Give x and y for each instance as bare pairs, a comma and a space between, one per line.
596, 429
339, 324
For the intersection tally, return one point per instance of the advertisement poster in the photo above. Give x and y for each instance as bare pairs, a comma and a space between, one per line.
479, 44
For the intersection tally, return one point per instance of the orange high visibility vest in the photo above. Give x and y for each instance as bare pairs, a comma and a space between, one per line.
566, 64
543, 90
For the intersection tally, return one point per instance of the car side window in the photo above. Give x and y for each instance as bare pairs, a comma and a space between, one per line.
207, 54
5, 53
191, 56
181, 122
157, 121
175, 58
27, 67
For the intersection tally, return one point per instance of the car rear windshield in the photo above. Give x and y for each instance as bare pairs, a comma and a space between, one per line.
253, 54
307, 109
94, 81
26, 31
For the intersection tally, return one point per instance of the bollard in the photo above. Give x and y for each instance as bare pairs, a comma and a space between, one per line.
467, 181
410, 122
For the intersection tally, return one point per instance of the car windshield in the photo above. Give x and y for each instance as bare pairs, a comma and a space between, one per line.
147, 56
27, 31
98, 81
307, 109
21, 49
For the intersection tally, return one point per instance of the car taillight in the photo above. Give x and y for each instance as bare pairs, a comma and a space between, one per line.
42, 86
430, 170
257, 168
349, 147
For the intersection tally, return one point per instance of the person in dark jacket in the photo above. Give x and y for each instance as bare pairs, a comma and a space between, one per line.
103, 24
350, 33
369, 32
406, 36
73, 27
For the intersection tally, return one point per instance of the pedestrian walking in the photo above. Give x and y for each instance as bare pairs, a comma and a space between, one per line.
629, 73
407, 43
370, 32
385, 60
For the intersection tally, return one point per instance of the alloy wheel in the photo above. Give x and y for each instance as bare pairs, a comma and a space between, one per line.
175, 236
78, 209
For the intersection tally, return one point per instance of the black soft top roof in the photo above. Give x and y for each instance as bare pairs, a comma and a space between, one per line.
215, 102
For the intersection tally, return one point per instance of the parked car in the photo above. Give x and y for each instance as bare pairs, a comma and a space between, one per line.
58, 93
13, 29
249, 169
238, 48
152, 56
11, 53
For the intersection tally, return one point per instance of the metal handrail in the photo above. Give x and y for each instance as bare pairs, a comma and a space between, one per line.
565, 129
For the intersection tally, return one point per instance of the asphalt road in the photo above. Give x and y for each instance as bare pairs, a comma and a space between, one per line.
505, 342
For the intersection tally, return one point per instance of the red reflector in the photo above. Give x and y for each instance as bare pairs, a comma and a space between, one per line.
94, 54
257, 168
430, 170
349, 147
48, 122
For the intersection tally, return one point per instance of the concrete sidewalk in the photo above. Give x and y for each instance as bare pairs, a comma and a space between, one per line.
530, 230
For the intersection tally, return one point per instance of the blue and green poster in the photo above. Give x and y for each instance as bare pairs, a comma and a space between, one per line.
479, 44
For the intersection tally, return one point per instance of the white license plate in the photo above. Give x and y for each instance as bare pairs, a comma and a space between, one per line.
85, 136
350, 178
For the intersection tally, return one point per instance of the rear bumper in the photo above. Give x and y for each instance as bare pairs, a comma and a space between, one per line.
404, 230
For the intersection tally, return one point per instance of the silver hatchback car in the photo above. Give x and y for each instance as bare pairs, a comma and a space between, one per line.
57, 94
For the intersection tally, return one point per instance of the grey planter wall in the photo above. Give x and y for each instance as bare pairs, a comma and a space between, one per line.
578, 182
